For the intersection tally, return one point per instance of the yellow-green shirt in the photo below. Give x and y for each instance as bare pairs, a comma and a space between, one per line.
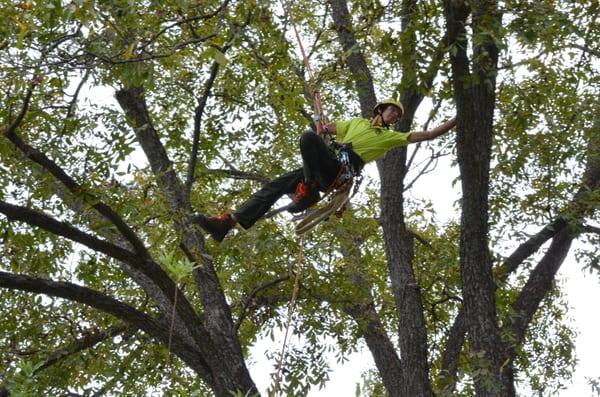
370, 143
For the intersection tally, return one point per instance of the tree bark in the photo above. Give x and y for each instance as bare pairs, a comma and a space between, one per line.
474, 94
580, 206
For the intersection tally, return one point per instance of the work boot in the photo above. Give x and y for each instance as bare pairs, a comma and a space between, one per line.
216, 226
306, 195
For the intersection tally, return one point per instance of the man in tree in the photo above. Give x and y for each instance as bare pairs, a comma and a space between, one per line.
363, 140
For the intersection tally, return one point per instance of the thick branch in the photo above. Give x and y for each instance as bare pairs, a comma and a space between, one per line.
133, 103
151, 269
542, 277
226, 361
456, 19
41, 159
381, 347
590, 229
41, 220
108, 305
539, 283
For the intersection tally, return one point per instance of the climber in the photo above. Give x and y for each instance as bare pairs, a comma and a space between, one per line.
364, 141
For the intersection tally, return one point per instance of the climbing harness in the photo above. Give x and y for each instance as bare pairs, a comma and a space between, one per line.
348, 175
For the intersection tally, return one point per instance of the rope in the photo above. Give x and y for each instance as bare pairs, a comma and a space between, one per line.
291, 307
317, 105
320, 121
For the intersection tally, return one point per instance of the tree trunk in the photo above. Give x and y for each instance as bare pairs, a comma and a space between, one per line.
474, 94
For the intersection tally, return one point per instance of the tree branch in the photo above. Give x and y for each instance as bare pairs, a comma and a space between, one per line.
248, 300
542, 277
225, 352
457, 12
538, 284
108, 305
590, 229
382, 349
43, 221
576, 210
199, 111
73, 103
184, 21
237, 174
26, 102
40, 158
362, 75
148, 267
589, 50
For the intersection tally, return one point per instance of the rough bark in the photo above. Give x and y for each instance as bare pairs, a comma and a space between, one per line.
474, 94
364, 313
414, 367
215, 343
381, 347
538, 284
407, 295
579, 207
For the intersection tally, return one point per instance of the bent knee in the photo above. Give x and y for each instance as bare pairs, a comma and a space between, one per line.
308, 138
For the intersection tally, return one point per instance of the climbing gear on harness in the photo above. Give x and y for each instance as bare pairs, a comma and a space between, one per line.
339, 190
216, 226
335, 205
349, 159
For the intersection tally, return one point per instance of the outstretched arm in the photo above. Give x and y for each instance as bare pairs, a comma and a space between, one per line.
443, 128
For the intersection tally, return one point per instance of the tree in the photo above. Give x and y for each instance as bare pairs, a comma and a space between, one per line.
107, 286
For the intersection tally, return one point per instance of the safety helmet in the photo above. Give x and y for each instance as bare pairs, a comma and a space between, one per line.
388, 102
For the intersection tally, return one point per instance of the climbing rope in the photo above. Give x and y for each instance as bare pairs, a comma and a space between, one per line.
320, 122
316, 96
291, 307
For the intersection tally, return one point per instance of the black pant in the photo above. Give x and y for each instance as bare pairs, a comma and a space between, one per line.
319, 164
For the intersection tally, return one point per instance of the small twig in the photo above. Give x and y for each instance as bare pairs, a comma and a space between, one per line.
248, 300
425, 127
237, 174
74, 102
